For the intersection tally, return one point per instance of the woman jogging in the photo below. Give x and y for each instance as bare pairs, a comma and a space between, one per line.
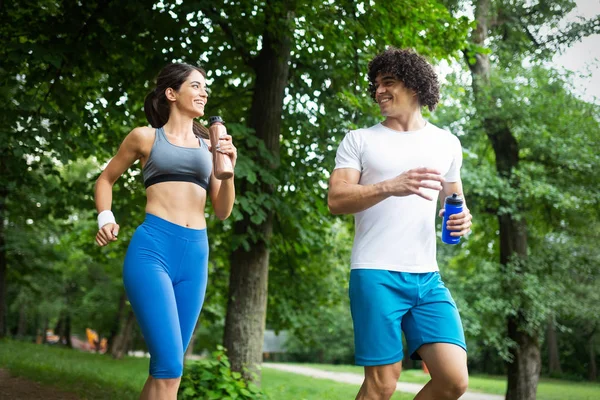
165, 269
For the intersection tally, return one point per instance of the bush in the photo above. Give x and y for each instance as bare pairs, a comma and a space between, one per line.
212, 379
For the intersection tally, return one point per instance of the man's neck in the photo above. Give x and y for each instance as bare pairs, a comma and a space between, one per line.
405, 123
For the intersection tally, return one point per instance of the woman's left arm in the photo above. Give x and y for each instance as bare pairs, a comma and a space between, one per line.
222, 192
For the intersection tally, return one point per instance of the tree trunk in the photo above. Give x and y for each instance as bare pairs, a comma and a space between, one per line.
553, 353
67, 331
593, 368
62, 329
247, 301
59, 327
116, 326
22, 324
247, 305
524, 370
45, 330
119, 347
3, 260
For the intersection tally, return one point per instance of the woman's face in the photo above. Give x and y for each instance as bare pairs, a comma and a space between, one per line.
192, 95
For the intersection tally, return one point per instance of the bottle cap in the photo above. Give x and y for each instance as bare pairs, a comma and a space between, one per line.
215, 119
455, 199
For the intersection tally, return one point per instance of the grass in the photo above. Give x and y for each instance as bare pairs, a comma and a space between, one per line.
548, 389
91, 376
99, 377
287, 386
94, 376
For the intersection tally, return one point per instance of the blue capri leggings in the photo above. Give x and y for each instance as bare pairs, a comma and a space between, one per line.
165, 274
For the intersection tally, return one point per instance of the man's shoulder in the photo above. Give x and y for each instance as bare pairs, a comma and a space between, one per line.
441, 132
436, 129
361, 132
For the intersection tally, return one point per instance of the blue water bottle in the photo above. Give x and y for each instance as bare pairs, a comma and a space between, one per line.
453, 205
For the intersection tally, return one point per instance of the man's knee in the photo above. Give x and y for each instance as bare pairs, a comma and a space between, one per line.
387, 389
454, 388
459, 387
382, 388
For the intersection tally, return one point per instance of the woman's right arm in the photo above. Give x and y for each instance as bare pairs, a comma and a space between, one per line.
129, 151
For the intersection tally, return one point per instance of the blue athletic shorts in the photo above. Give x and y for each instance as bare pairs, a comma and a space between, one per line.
385, 302
165, 275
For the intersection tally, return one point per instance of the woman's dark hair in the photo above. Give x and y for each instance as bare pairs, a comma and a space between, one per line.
156, 105
410, 68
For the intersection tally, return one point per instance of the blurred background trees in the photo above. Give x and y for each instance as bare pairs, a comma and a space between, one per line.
289, 79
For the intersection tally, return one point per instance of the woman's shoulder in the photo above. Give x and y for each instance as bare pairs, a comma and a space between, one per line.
140, 139
143, 132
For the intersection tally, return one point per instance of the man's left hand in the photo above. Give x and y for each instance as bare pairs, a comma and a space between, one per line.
459, 224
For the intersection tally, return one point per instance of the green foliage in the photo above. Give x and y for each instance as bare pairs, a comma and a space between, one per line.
73, 78
325, 336
212, 379
550, 188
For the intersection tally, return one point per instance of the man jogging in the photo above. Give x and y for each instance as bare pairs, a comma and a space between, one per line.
389, 176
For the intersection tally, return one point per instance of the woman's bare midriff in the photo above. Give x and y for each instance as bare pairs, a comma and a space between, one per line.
181, 203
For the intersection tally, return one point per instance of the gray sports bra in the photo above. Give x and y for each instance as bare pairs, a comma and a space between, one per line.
168, 162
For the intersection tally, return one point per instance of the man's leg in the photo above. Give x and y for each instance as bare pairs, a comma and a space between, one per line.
447, 365
380, 382
434, 333
378, 301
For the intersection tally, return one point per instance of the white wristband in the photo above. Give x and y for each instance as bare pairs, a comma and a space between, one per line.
106, 217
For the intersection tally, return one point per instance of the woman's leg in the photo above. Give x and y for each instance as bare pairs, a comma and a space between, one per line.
160, 389
190, 287
150, 291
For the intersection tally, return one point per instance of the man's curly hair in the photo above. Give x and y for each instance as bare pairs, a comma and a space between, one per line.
410, 68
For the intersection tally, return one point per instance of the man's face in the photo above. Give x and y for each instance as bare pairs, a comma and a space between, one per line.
393, 97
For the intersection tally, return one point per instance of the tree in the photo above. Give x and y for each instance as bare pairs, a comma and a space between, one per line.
65, 67
74, 90
519, 152
264, 54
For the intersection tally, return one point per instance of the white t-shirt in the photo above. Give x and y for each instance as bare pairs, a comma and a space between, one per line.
398, 234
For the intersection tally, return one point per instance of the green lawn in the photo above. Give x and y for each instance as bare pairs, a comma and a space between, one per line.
548, 389
99, 377
286, 386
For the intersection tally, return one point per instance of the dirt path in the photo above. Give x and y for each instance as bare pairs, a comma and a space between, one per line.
17, 388
357, 379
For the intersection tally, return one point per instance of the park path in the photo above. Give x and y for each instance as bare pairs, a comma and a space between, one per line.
357, 379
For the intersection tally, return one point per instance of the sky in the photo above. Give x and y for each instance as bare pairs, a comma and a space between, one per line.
583, 57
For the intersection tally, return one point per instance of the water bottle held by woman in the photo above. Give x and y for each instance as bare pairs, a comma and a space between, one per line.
223, 168
452, 205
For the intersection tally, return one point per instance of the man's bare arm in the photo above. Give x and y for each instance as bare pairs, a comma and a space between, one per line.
346, 196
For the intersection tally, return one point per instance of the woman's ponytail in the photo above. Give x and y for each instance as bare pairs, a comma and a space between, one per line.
200, 130
156, 108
